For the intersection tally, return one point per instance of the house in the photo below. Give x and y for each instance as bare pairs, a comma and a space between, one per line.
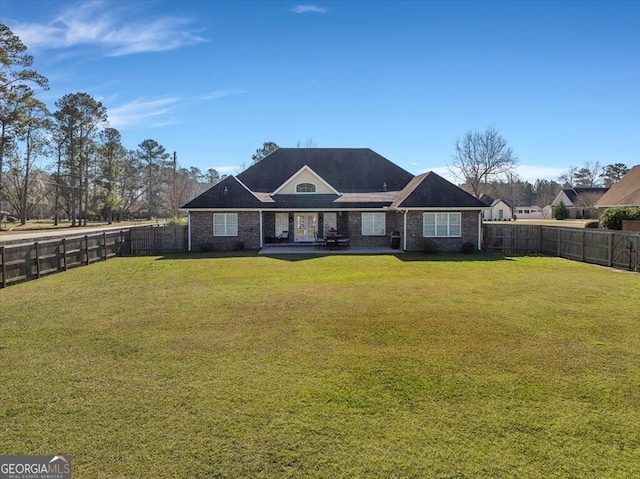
298, 194
580, 201
498, 210
625, 192
532, 213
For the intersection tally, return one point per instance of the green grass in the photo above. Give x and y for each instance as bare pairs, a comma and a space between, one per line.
327, 367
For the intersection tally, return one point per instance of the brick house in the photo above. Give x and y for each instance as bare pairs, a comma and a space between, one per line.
297, 195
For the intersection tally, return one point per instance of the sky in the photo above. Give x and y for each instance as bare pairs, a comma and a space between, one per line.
214, 80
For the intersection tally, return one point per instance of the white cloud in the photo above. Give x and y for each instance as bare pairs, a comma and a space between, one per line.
214, 95
100, 24
140, 112
308, 9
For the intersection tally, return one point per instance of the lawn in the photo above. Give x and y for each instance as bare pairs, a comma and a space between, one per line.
329, 367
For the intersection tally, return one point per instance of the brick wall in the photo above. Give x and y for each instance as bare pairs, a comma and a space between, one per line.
202, 238
416, 241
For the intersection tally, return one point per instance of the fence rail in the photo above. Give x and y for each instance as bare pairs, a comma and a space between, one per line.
617, 249
32, 260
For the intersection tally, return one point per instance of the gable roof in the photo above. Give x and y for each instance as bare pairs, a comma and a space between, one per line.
625, 192
430, 190
579, 196
334, 165
229, 193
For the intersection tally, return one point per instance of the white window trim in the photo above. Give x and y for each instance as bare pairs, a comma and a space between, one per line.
315, 188
381, 229
448, 225
229, 228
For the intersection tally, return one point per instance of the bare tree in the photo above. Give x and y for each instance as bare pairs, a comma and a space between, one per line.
589, 175
481, 157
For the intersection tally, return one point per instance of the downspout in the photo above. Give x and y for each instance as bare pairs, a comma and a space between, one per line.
480, 231
404, 233
261, 235
189, 232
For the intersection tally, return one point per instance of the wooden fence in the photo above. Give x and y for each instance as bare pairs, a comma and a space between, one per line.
31, 260
159, 239
617, 249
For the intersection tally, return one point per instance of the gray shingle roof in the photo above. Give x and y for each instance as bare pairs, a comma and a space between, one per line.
432, 191
348, 170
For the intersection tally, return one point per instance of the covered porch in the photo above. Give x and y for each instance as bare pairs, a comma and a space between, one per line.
310, 249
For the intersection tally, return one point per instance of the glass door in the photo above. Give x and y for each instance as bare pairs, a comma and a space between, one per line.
306, 226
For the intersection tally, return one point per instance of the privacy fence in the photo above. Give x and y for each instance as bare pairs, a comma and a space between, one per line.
617, 249
31, 260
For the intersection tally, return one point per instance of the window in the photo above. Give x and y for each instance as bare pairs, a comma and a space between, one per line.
305, 188
373, 224
441, 225
330, 221
225, 224
282, 223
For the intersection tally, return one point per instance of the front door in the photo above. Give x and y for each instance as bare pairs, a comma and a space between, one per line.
306, 226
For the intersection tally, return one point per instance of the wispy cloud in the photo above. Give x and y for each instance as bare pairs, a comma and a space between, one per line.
100, 24
141, 113
308, 9
214, 95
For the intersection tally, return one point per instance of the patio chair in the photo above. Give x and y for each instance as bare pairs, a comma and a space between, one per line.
320, 242
343, 243
284, 237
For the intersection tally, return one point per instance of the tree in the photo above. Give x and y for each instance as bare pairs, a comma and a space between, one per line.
568, 178
79, 118
111, 156
267, 148
31, 133
481, 157
16, 75
155, 166
613, 173
560, 211
588, 176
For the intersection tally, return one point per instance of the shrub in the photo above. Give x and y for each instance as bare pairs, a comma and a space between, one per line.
177, 221
429, 246
467, 247
560, 211
612, 217
238, 246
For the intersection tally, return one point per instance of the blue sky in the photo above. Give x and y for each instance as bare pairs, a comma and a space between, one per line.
213, 80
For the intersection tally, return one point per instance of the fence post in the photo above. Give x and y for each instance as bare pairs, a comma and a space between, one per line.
104, 244
559, 249
583, 246
37, 259
64, 254
4, 268
86, 247
610, 255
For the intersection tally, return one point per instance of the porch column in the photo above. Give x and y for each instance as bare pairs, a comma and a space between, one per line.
261, 233
480, 231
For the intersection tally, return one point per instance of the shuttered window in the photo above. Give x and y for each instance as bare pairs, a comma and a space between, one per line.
373, 224
225, 224
441, 225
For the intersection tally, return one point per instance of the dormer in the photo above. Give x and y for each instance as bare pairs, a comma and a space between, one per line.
305, 182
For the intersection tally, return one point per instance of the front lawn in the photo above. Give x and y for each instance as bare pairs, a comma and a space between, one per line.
235, 366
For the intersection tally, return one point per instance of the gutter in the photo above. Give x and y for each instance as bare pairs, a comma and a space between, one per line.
404, 234
189, 232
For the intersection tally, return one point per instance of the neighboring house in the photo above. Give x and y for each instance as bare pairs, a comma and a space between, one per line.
530, 213
625, 192
298, 194
498, 210
580, 201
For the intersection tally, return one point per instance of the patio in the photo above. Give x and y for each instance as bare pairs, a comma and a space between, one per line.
310, 249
